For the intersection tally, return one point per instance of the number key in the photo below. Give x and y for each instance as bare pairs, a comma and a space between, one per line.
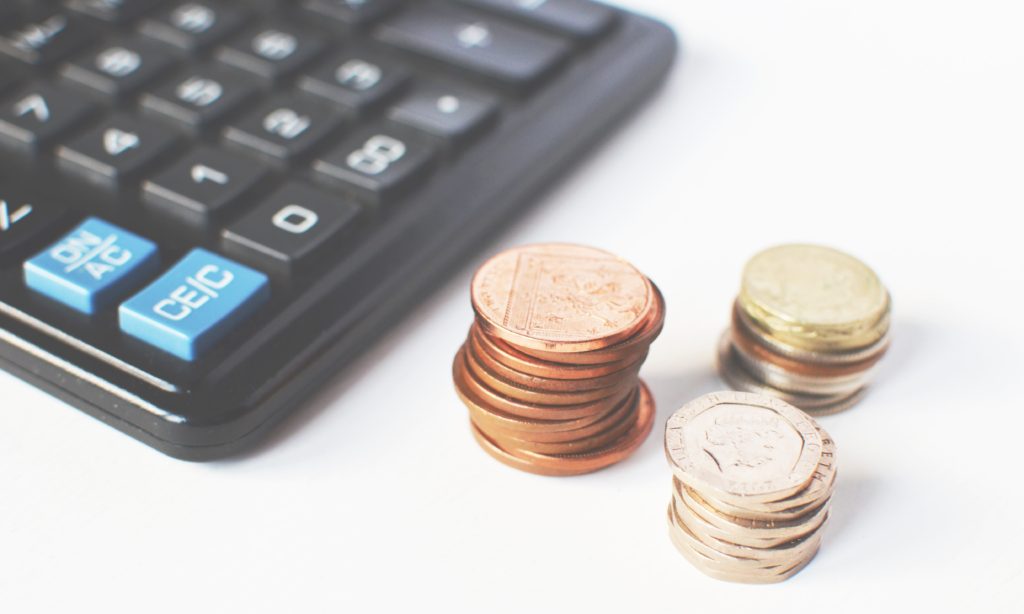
272, 53
376, 164
289, 229
193, 26
356, 81
119, 69
201, 188
283, 128
38, 116
116, 152
201, 97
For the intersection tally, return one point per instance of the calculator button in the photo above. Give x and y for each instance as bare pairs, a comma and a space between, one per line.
289, 229
450, 113
193, 26
199, 98
283, 128
376, 164
350, 12
195, 304
202, 187
92, 267
580, 18
113, 11
510, 54
21, 222
46, 40
37, 117
119, 69
272, 53
355, 81
116, 152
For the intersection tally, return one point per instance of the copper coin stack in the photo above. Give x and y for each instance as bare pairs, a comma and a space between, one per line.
550, 369
752, 486
809, 327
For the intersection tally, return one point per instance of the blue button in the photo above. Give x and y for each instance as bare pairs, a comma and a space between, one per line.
92, 267
194, 304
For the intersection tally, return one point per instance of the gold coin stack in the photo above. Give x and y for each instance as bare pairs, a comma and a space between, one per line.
752, 486
808, 327
550, 369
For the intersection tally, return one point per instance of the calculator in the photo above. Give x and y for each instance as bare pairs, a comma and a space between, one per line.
209, 208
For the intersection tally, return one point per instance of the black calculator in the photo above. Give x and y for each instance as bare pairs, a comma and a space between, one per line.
208, 208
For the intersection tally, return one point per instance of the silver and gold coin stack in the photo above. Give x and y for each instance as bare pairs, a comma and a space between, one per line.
808, 327
752, 486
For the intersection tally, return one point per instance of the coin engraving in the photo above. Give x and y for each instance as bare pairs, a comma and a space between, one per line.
813, 286
561, 294
742, 445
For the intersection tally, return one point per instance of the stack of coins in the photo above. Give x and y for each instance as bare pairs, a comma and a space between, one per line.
808, 327
549, 371
753, 480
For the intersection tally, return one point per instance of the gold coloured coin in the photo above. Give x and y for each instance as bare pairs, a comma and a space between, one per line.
815, 297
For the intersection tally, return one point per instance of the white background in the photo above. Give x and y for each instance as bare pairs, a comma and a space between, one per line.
890, 128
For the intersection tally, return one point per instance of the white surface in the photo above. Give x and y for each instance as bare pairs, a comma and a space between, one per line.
890, 128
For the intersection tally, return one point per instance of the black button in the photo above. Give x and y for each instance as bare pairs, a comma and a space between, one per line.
40, 115
120, 68
116, 152
7, 77
283, 128
21, 221
449, 112
581, 18
201, 188
376, 164
272, 53
193, 26
350, 12
355, 80
46, 40
113, 11
199, 98
290, 229
510, 54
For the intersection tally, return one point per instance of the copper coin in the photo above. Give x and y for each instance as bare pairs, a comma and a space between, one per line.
614, 428
465, 380
492, 421
754, 346
629, 349
560, 298
577, 464
524, 363
531, 395
550, 383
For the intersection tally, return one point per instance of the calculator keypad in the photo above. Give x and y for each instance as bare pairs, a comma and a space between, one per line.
188, 188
